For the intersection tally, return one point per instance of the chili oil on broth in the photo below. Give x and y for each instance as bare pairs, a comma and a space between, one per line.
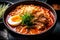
42, 19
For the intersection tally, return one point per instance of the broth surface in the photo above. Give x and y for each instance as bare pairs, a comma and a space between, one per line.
30, 19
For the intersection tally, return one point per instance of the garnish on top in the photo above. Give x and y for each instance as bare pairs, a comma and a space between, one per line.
26, 19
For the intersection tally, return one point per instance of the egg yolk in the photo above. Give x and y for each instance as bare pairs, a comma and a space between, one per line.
16, 18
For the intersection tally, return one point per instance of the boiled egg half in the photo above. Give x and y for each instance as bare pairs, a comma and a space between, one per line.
14, 20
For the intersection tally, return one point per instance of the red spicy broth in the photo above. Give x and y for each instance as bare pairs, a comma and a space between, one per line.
42, 19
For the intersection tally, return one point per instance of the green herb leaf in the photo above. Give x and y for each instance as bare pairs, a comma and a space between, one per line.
26, 19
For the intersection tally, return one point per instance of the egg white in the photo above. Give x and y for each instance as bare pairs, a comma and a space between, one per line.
13, 23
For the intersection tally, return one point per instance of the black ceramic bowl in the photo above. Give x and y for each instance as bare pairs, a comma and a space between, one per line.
12, 7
